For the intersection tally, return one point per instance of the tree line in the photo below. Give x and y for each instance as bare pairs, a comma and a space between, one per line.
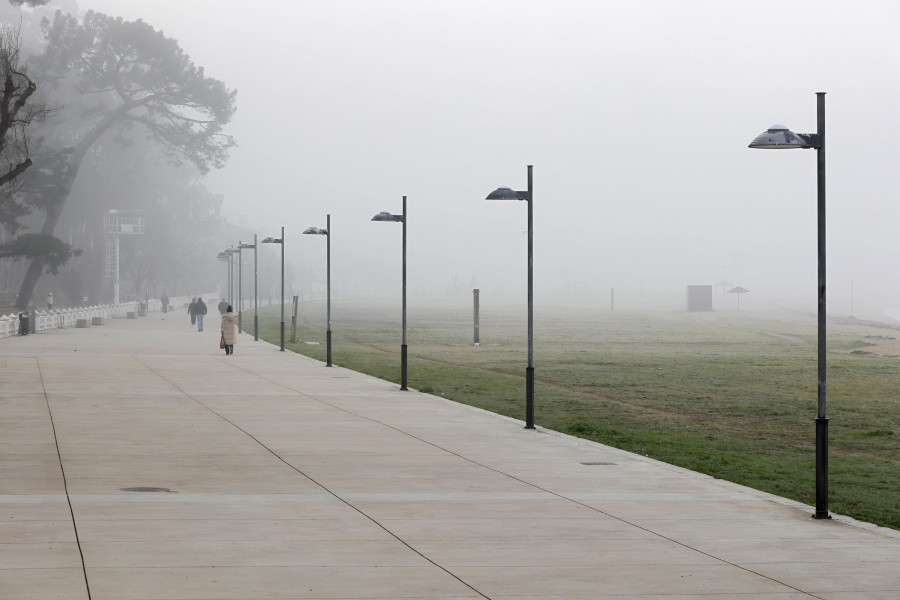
96, 114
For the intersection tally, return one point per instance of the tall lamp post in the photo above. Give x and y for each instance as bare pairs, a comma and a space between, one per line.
528, 197
240, 298
255, 295
271, 240
386, 216
226, 255
327, 233
780, 137
231, 252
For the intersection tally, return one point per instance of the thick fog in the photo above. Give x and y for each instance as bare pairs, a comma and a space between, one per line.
636, 115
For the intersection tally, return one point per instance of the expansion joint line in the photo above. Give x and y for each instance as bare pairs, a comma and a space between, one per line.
62, 468
306, 475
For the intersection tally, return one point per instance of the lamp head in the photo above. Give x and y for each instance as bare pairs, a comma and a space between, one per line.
386, 216
271, 240
316, 231
506, 193
779, 137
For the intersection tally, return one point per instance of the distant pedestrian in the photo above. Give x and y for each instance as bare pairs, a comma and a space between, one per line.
192, 307
229, 320
200, 311
165, 303
223, 306
49, 300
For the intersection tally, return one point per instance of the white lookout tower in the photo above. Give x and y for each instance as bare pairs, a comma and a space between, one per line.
116, 223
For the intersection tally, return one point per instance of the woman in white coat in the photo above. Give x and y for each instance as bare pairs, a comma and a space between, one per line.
229, 335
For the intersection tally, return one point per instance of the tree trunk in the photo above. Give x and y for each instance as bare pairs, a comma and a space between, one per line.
61, 189
26, 290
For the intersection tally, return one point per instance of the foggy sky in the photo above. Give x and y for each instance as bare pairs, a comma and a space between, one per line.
636, 115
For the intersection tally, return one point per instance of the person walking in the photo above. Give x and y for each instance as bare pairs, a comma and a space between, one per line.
200, 311
192, 307
165, 303
223, 306
229, 336
49, 301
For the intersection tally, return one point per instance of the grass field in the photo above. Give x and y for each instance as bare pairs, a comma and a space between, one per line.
729, 394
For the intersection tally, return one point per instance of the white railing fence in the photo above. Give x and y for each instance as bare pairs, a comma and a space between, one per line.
62, 318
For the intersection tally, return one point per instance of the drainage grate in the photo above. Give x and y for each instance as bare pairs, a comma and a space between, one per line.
146, 489
597, 463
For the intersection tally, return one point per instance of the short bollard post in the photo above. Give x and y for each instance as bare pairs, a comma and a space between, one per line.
475, 297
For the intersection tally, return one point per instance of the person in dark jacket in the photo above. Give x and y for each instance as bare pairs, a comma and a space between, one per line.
223, 306
192, 307
200, 311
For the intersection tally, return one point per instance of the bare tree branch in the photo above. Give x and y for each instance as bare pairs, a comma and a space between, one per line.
15, 172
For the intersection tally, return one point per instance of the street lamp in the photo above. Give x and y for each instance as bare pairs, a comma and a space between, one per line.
255, 290
527, 195
386, 216
224, 255
240, 299
327, 233
780, 137
271, 240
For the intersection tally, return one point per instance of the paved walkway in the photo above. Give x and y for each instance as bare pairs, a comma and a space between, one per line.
285, 479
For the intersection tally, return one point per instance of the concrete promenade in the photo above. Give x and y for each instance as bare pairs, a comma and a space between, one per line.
279, 478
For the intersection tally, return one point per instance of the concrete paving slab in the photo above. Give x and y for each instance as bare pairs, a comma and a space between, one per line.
743, 596
872, 549
44, 583
252, 553
856, 595
173, 506
526, 526
287, 479
41, 531
561, 553
692, 580
276, 583
450, 507
31, 507
351, 527
39, 555
821, 578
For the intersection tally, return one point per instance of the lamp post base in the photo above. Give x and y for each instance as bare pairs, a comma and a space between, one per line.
821, 469
328, 348
403, 367
282, 336
255, 328
529, 398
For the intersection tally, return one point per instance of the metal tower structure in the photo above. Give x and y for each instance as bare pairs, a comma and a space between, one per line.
117, 223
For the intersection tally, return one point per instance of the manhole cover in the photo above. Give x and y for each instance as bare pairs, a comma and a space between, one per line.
597, 463
146, 489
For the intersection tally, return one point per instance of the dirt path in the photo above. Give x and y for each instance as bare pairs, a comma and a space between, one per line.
885, 338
